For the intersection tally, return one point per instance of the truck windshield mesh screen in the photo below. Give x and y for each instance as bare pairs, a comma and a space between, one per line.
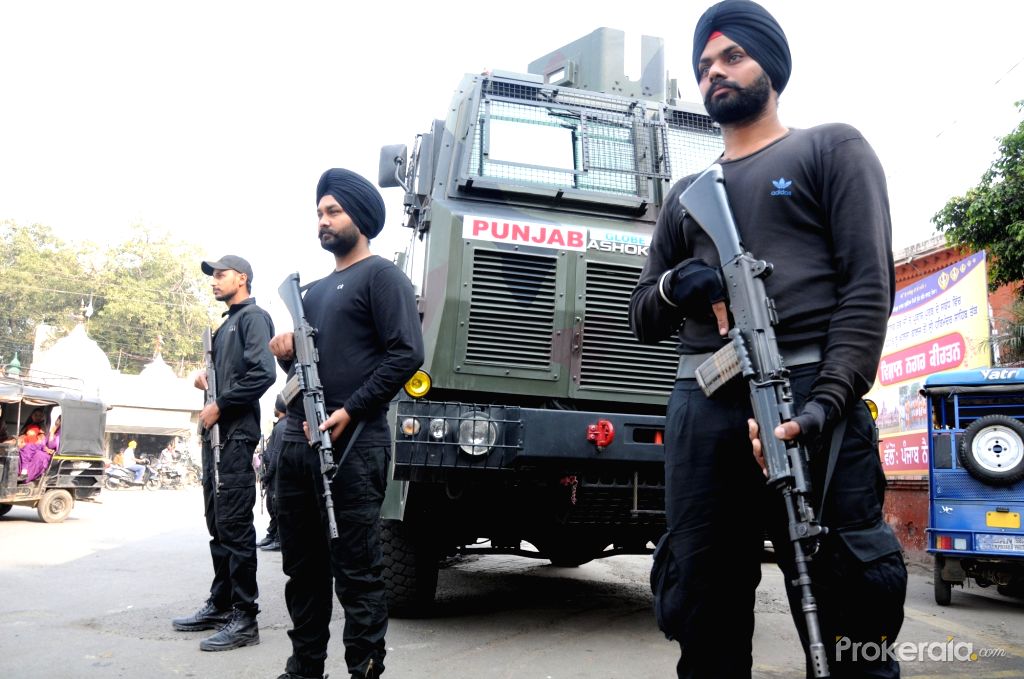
555, 147
693, 143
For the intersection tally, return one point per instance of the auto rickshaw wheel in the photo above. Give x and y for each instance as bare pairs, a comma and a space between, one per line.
943, 589
55, 505
993, 450
4, 508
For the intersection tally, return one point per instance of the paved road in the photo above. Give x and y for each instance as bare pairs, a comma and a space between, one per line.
93, 597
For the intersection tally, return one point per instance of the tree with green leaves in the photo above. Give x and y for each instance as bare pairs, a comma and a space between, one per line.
35, 267
142, 295
990, 216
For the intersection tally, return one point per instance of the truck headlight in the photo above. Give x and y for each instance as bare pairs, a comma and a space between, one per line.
410, 426
477, 434
438, 429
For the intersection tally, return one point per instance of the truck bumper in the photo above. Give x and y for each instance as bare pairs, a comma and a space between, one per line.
447, 435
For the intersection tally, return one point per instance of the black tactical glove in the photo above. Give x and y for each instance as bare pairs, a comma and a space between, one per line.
812, 421
694, 286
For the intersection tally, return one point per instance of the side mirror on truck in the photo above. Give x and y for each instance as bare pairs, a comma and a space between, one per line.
393, 160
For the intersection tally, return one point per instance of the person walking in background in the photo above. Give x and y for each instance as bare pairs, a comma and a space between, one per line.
268, 476
245, 370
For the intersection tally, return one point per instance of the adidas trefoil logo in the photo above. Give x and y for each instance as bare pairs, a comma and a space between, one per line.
782, 187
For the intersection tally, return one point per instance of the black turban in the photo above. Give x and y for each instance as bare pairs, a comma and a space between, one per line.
360, 199
752, 28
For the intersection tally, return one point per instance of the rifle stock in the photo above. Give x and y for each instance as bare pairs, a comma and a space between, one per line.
753, 352
211, 397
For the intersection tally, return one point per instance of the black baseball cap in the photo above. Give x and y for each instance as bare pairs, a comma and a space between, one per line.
233, 262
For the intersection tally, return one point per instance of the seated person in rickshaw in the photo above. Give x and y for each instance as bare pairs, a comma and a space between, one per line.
4, 436
53, 442
33, 453
37, 418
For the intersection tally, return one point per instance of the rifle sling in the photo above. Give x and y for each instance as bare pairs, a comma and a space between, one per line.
833, 454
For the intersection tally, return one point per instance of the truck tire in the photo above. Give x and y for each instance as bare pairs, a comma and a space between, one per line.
410, 570
1015, 588
943, 589
993, 450
55, 505
4, 508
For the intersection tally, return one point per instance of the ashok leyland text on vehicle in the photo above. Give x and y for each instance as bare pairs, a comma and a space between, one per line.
539, 417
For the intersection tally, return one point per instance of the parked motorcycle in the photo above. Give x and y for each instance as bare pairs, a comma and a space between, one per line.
177, 475
116, 477
193, 473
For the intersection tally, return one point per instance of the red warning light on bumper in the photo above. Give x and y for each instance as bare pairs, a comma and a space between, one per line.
601, 434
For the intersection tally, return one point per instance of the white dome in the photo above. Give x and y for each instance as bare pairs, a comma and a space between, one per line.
74, 356
157, 369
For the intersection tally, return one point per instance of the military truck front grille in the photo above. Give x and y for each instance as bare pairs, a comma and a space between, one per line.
612, 359
694, 141
512, 309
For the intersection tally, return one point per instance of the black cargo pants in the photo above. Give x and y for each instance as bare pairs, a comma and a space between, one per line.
354, 560
718, 506
230, 523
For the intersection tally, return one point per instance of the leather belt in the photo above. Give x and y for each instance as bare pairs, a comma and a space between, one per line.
792, 356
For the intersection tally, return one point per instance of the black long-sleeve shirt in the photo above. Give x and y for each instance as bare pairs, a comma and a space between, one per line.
245, 368
369, 343
814, 203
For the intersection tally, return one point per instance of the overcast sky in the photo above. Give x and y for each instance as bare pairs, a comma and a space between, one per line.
215, 119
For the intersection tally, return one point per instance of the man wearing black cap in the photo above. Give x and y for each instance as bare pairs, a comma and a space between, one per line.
245, 370
369, 344
814, 203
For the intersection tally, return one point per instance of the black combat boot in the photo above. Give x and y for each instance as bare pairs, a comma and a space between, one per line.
241, 630
292, 675
273, 546
207, 617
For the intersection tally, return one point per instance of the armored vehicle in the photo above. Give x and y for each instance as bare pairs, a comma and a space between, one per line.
536, 426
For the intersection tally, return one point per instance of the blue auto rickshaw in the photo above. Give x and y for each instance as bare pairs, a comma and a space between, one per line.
976, 479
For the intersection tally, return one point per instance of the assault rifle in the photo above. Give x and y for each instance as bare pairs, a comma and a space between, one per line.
211, 396
753, 352
308, 377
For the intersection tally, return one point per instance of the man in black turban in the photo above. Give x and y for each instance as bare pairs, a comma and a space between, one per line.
358, 197
754, 29
369, 343
813, 202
